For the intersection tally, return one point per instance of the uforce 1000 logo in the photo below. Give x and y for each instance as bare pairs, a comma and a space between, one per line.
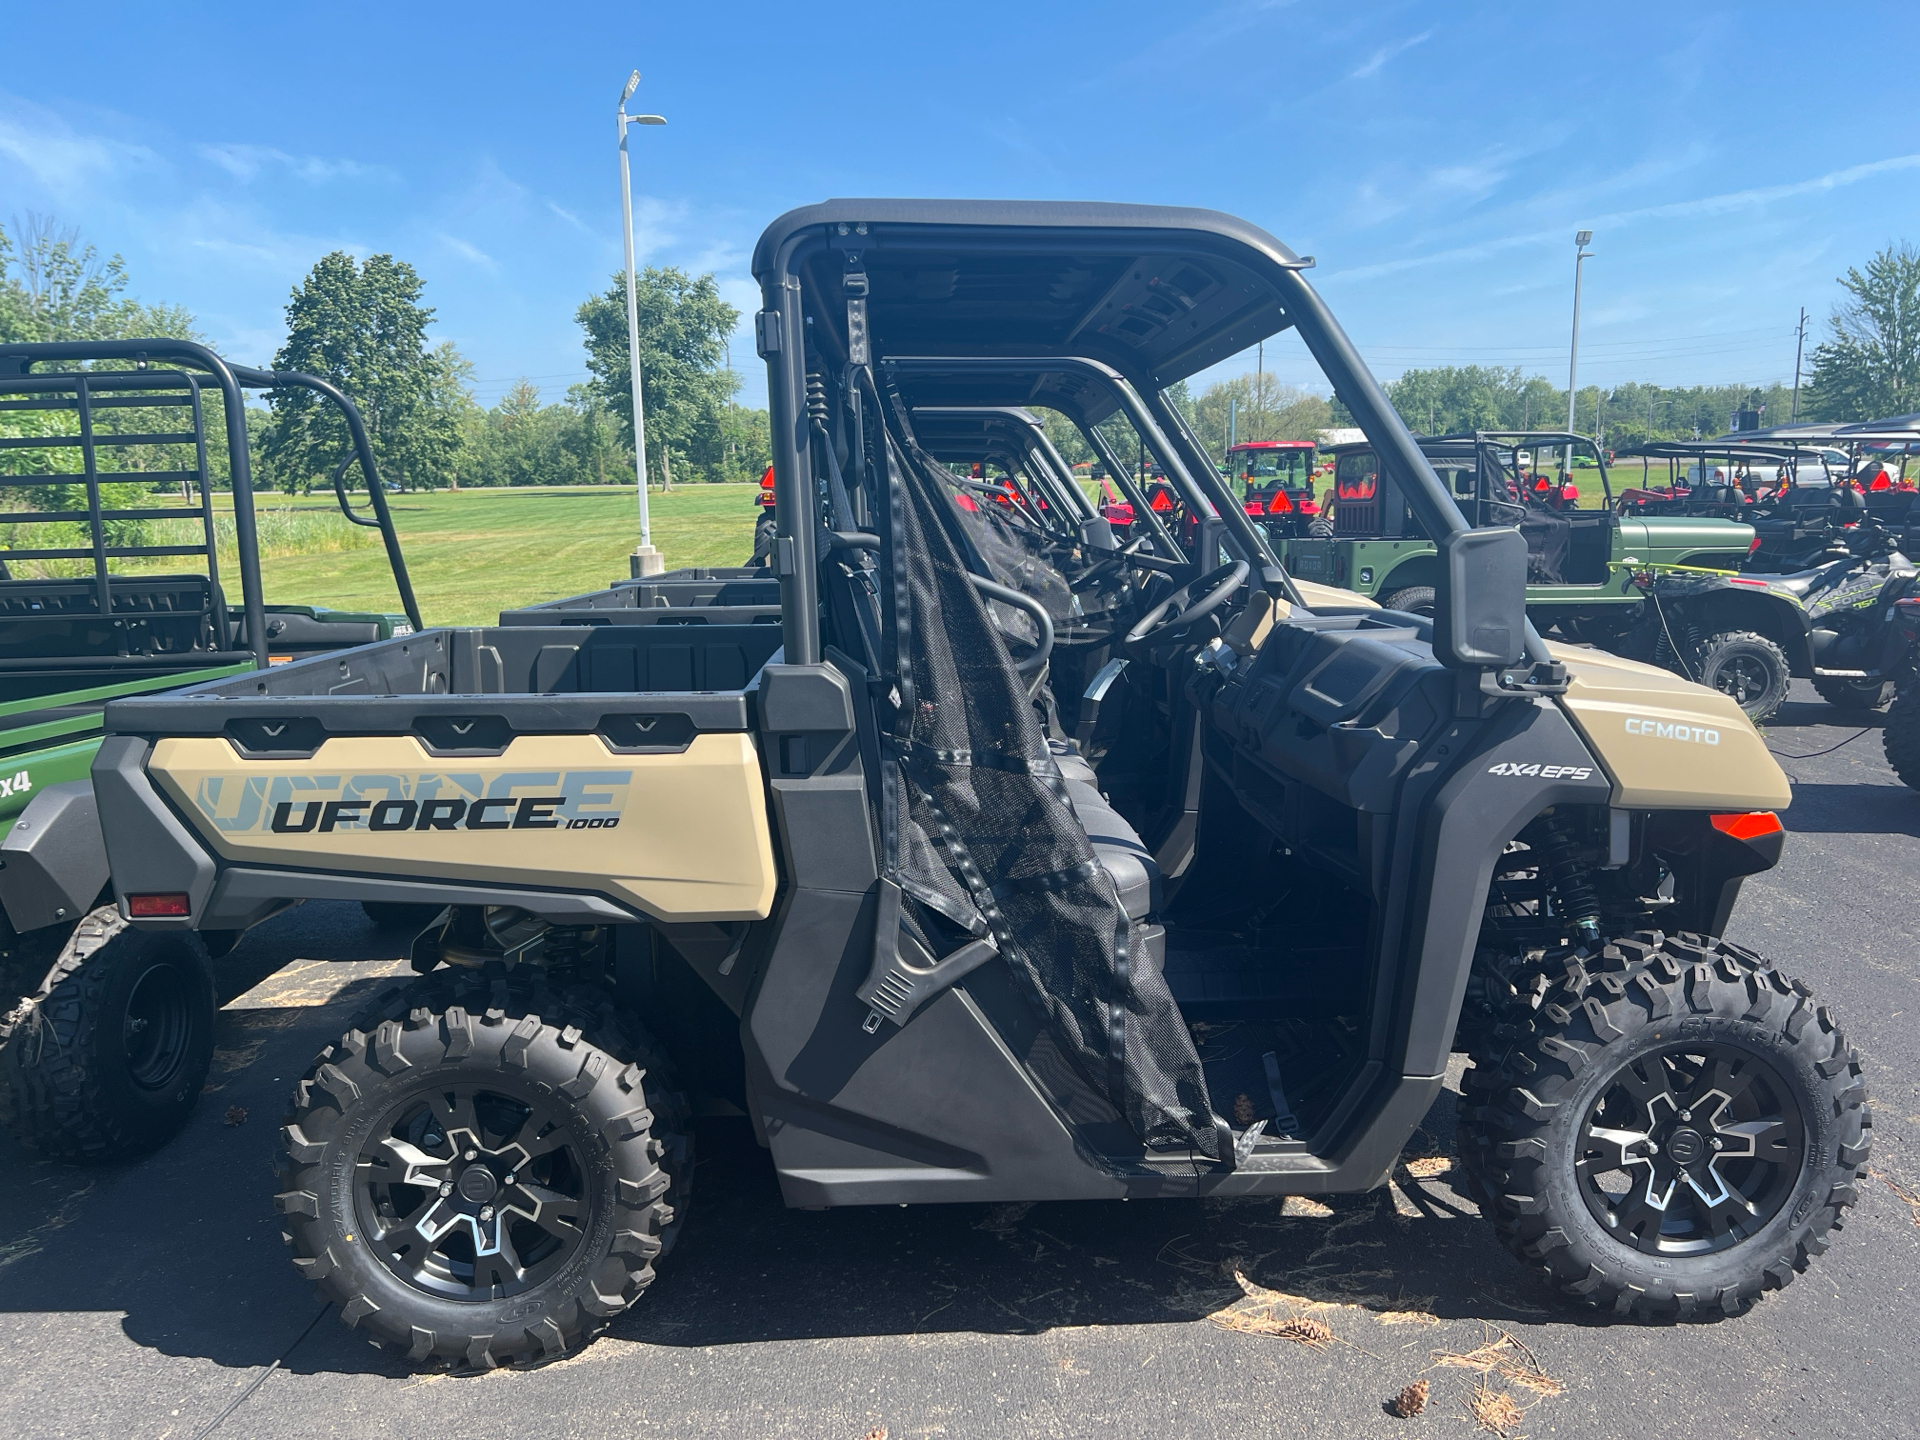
323, 804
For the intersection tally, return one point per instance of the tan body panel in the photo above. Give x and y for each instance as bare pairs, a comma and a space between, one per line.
1667, 743
680, 837
1332, 597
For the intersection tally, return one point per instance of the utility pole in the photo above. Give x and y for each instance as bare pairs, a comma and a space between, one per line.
1233, 416
1260, 379
645, 560
1799, 343
1573, 354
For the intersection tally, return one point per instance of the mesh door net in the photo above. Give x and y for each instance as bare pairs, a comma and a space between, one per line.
978, 831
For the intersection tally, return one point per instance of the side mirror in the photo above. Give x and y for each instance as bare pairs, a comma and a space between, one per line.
1480, 604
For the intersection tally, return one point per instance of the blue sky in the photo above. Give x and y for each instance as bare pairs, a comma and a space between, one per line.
1435, 158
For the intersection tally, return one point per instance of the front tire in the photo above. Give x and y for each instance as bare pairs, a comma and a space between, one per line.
1671, 1129
1746, 666
106, 1059
483, 1171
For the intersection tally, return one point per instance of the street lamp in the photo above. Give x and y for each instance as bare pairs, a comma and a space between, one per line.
645, 559
1581, 253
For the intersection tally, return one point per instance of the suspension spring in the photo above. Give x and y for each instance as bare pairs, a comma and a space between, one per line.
1574, 896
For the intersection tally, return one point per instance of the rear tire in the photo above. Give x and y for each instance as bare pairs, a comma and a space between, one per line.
1901, 737
1844, 693
1412, 599
1747, 667
107, 1057
1631, 1046
494, 1268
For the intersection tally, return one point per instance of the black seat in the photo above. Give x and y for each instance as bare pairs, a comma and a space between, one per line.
1116, 845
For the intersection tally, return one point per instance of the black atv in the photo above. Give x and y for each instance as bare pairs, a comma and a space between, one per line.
1750, 635
1213, 931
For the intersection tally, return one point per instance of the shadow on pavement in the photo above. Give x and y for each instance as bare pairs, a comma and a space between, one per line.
1863, 809
185, 1243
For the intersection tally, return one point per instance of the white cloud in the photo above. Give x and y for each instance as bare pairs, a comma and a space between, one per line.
466, 250
1730, 202
1379, 58
571, 218
245, 162
60, 159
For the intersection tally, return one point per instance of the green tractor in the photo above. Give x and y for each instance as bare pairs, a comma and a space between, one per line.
1581, 556
106, 1035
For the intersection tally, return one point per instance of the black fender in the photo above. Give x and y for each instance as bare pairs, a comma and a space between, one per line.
53, 863
1730, 605
1524, 758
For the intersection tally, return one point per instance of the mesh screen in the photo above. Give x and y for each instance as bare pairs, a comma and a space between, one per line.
980, 830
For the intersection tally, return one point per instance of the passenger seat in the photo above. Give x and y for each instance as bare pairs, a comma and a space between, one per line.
1115, 844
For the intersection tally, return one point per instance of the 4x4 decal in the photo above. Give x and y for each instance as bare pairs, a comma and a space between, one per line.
1544, 772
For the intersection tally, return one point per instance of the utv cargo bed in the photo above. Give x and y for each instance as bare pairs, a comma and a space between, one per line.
438, 750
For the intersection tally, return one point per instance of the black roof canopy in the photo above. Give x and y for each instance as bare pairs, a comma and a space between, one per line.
1158, 292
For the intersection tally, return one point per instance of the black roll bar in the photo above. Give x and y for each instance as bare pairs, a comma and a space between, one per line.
232, 379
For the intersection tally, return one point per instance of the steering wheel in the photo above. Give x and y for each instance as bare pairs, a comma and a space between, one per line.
1186, 607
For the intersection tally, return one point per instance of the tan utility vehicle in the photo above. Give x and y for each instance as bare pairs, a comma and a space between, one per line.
1012, 863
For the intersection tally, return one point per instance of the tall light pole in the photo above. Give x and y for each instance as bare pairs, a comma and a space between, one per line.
645, 560
1581, 253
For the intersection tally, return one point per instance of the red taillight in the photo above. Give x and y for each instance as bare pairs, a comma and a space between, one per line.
146, 907
1750, 826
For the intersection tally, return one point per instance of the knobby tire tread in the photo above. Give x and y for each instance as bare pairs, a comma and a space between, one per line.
653, 1162
1510, 1097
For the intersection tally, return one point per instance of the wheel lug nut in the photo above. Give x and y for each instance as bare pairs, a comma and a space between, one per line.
1717, 1143
1652, 1149
486, 1212
509, 1179
446, 1190
472, 1154
1684, 1115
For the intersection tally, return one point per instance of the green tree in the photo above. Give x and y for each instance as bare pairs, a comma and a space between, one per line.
1868, 367
684, 325
53, 286
363, 327
1260, 408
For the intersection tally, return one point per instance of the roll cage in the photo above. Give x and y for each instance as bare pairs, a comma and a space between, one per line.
1089, 308
169, 375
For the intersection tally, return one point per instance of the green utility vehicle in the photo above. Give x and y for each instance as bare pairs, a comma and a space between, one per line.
104, 1042
845, 875
1581, 555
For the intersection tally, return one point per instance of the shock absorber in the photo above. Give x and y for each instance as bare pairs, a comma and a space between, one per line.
1577, 902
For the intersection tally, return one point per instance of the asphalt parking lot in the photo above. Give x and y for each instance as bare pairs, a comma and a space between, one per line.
154, 1299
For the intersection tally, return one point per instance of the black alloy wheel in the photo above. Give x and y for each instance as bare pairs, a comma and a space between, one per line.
1691, 1149
1747, 667
485, 1169
1665, 1128
470, 1192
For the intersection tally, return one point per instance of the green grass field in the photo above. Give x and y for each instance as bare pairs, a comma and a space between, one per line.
474, 553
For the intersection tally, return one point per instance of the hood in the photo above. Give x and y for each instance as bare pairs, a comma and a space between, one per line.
1667, 743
